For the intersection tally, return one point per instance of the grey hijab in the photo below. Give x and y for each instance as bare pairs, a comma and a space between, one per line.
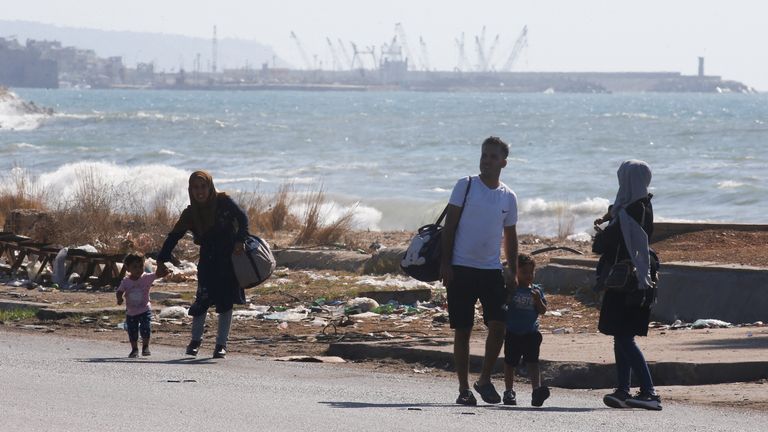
634, 178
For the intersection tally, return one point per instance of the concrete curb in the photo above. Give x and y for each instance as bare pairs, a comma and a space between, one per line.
564, 374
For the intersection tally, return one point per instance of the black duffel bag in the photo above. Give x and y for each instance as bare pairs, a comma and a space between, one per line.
422, 259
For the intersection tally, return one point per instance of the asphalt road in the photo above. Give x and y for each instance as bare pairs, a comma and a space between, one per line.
62, 384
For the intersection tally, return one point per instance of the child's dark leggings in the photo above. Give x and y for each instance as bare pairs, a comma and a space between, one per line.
136, 324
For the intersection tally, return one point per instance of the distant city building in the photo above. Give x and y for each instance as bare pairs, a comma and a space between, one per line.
25, 66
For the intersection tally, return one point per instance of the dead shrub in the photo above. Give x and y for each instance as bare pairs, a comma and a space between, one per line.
17, 192
312, 232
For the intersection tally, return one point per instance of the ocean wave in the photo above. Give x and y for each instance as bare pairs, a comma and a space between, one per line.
641, 115
729, 184
23, 145
242, 180
144, 186
19, 115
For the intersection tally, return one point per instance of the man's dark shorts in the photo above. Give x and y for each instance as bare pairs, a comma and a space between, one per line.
522, 345
472, 284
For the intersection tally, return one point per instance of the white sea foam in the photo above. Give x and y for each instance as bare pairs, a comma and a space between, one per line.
729, 184
363, 217
16, 114
242, 180
145, 185
23, 145
167, 152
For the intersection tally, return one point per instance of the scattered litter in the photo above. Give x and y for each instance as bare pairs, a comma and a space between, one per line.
283, 325
397, 281
563, 330
318, 322
710, 323
247, 314
173, 312
553, 313
366, 315
422, 371
87, 320
292, 315
364, 304
186, 271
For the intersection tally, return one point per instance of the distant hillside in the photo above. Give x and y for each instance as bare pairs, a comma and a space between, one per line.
167, 51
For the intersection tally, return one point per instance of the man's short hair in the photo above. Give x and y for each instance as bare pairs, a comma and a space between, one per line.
525, 259
497, 142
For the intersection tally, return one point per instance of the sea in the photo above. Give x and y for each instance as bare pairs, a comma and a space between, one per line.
392, 157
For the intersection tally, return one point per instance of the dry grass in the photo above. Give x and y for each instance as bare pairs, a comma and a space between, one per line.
17, 192
313, 231
113, 219
565, 221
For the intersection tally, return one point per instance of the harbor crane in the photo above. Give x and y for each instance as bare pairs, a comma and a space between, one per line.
424, 54
480, 50
400, 31
520, 44
334, 55
304, 57
344, 53
357, 57
491, 51
463, 64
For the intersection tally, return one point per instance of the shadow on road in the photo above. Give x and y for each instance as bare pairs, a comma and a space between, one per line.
756, 342
181, 361
418, 406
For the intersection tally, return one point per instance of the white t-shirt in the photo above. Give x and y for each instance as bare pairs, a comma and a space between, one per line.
481, 227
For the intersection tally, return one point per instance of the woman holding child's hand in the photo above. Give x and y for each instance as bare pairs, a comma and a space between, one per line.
220, 227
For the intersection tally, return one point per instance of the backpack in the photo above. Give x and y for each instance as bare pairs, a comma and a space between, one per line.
255, 264
422, 259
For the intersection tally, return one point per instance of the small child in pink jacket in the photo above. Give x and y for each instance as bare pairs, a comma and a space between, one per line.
138, 311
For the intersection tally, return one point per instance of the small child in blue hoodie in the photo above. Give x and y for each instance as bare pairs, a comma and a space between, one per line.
523, 339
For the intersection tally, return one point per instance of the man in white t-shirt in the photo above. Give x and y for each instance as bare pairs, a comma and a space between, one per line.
471, 266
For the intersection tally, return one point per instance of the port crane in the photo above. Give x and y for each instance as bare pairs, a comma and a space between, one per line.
463, 64
400, 31
491, 51
334, 55
304, 57
424, 54
359, 53
344, 53
520, 44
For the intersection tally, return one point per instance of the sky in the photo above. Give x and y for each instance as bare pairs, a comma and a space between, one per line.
564, 35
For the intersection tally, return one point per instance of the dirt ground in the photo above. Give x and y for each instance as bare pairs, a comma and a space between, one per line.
290, 289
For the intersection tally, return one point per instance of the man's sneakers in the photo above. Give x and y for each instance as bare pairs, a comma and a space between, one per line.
622, 399
539, 395
617, 399
193, 347
487, 392
645, 400
219, 352
510, 398
466, 398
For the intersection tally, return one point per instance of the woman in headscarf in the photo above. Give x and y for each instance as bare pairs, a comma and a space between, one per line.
625, 314
220, 227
